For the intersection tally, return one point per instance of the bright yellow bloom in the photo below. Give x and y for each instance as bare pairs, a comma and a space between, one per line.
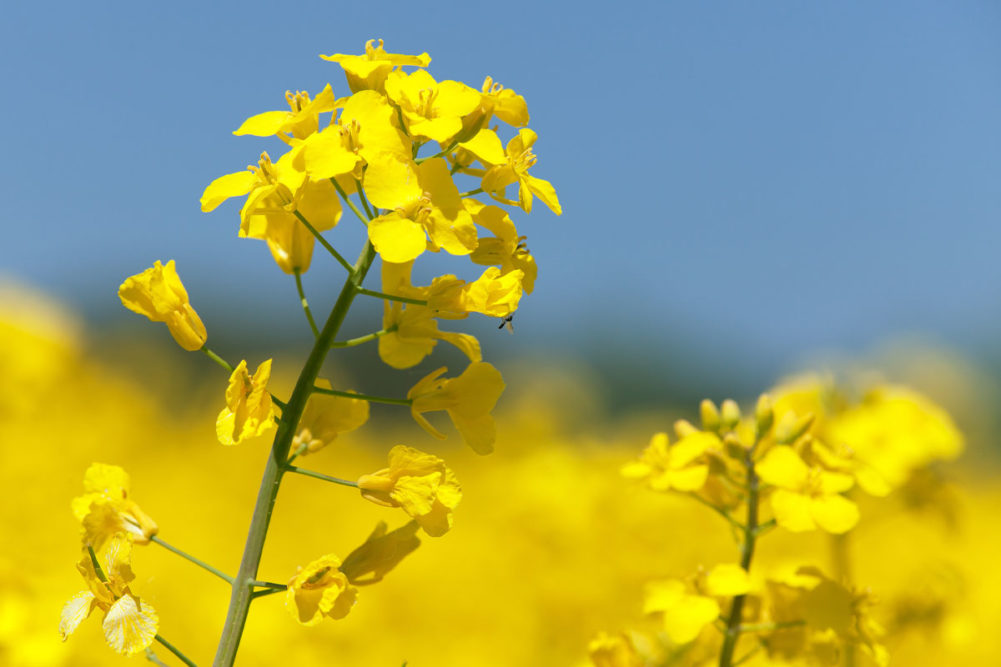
496, 100
510, 165
505, 248
249, 411
431, 109
807, 497
369, 71
158, 294
425, 210
130, 623
320, 590
685, 614
276, 192
380, 553
325, 417
613, 651
681, 467
468, 399
300, 122
106, 508
728, 580
418, 483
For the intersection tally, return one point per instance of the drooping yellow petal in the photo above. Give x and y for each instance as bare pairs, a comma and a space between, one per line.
224, 187
396, 238
130, 625
380, 553
74, 612
487, 147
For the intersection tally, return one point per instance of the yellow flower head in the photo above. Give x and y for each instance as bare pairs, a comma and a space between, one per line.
130, 624
496, 100
369, 70
613, 651
807, 497
468, 399
158, 294
106, 508
506, 166
249, 411
681, 467
380, 553
418, 483
320, 590
685, 613
505, 248
300, 121
325, 417
431, 109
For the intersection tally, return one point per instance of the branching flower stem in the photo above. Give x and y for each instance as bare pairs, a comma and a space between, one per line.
205, 566
239, 605
733, 627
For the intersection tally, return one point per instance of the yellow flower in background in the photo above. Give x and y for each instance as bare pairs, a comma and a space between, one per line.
249, 411
685, 614
506, 166
380, 553
613, 651
468, 400
505, 248
807, 497
418, 483
320, 590
106, 508
325, 417
300, 122
129, 624
158, 294
680, 467
369, 70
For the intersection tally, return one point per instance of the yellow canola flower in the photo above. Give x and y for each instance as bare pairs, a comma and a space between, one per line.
496, 100
425, 209
158, 294
106, 508
300, 122
468, 399
129, 624
369, 70
430, 109
418, 483
380, 553
325, 417
320, 590
807, 497
506, 166
249, 411
680, 467
728, 580
276, 191
613, 651
685, 614
505, 248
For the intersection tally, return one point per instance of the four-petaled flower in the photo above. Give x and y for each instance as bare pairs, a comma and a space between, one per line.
249, 411
320, 590
468, 399
807, 497
106, 508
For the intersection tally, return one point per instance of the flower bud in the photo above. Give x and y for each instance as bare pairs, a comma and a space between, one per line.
764, 416
710, 415
730, 414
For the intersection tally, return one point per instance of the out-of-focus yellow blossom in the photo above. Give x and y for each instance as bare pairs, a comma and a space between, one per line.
468, 400
276, 191
807, 497
300, 122
106, 508
380, 553
325, 417
894, 432
369, 70
425, 210
249, 411
320, 590
614, 651
158, 294
510, 165
418, 483
431, 109
685, 613
728, 580
679, 467
505, 248
129, 622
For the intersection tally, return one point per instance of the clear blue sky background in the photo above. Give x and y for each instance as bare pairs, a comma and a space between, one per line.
763, 178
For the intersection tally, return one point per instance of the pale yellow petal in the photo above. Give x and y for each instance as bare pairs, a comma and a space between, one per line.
130, 625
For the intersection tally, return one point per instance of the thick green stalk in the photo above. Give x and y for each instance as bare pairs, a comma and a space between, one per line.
239, 603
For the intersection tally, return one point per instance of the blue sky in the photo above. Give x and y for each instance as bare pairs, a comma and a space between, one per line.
765, 178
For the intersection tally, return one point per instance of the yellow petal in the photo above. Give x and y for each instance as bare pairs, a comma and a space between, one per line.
783, 467
74, 612
792, 511
396, 238
685, 620
263, 124
391, 182
224, 187
835, 514
487, 148
728, 580
130, 625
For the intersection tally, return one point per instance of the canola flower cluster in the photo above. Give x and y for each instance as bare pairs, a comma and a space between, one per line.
362, 151
794, 465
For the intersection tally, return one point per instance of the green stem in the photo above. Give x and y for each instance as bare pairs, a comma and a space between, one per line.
320, 475
471, 192
348, 201
205, 566
441, 153
733, 627
351, 342
97, 565
173, 649
268, 584
219, 360
361, 197
239, 605
305, 304
770, 627
319, 237
840, 554
364, 397
391, 297
266, 592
